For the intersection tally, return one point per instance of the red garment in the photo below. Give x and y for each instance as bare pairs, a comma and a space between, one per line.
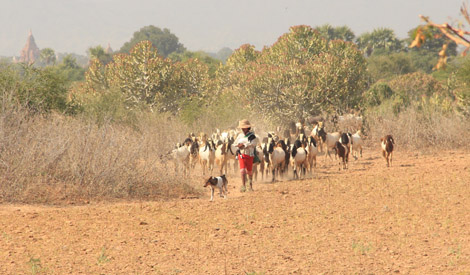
245, 161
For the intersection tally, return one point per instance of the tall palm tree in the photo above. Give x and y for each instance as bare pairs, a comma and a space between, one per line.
47, 56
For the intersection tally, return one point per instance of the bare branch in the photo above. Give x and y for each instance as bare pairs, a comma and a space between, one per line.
464, 11
452, 33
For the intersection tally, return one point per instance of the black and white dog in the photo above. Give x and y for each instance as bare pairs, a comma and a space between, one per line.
219, 182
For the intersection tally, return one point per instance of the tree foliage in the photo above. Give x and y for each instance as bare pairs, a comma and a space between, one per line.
144, 78
211, 62
223, 54
391, 65
377, 94
447, 35
417, 85
435, 40
459, 78
301, 74
70, 69
47, 56
165, 42
100, 54
379, 40
336, 33
40, 90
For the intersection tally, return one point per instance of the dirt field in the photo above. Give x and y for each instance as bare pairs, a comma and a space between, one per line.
412, 218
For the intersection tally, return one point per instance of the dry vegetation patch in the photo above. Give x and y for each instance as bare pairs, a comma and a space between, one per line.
59, 159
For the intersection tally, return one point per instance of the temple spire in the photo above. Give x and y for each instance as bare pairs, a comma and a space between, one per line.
108, 49
30, 52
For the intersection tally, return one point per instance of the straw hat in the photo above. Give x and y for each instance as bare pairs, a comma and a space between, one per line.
244, 123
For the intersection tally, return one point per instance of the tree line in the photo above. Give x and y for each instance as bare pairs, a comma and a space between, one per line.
307, 71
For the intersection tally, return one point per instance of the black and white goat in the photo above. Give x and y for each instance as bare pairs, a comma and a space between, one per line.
343, 154
276, 156
299, 158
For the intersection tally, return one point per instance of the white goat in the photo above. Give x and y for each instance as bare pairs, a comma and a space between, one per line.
329, 139
356, 144
181, 156
207, 156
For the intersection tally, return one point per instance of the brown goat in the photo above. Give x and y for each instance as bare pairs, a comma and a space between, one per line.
387, 148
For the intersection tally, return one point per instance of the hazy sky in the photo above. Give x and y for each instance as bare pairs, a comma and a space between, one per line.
75, 25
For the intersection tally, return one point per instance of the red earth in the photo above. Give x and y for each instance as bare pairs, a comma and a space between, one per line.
411, 218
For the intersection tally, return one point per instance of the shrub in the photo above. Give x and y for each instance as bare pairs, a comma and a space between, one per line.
416, 85
389, 65
377, 94
39, 90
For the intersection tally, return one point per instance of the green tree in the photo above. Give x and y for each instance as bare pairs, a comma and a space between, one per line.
381, 40
188, 84
211, 62
146, 80
300, 74
426, 55
333, 33
302, 43
458, 35
165, 42
70, 69
223, 54
416, 85
38, 89
378, 93
47, 56
391, 65
99, 53
435, 39
459, 77
140, 75
233, 74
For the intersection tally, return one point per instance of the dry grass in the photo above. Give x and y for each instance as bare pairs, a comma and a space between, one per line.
63, 159
417, 130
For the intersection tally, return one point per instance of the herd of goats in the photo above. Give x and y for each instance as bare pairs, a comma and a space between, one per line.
297, 148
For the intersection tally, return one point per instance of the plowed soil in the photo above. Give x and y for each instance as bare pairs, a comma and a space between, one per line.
411, 218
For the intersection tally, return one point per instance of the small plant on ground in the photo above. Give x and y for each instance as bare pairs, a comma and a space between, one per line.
359, 247
35, 264
103, 257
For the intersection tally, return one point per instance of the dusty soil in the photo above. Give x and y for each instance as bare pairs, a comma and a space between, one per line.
412, 218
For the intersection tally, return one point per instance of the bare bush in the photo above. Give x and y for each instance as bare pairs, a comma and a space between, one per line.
59, 158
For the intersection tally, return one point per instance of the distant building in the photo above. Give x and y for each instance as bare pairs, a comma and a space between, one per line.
108, 49
30, 53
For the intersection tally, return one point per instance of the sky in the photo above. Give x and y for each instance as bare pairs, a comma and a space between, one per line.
73, 26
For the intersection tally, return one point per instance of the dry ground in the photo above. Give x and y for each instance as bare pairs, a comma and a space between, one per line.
411, 218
